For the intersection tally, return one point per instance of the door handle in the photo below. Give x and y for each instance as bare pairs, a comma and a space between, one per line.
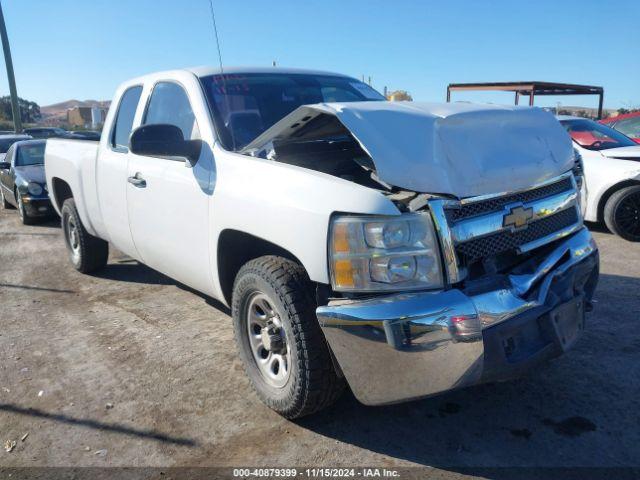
137, 181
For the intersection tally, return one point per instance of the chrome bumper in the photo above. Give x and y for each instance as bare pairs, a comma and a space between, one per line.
406, 346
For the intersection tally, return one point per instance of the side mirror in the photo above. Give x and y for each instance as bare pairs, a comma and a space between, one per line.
5, 165
164, 141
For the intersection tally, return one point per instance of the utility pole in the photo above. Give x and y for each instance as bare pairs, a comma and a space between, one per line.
15, 108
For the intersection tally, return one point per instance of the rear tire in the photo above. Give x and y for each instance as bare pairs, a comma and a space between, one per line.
276, 291
622, 213
5, 205
86, 252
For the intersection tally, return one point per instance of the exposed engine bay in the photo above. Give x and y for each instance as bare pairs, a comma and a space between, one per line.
325, 145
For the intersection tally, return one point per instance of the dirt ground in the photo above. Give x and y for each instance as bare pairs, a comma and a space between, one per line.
127, 368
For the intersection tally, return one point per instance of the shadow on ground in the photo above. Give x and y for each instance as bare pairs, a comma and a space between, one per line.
109, 427
129, 270
566, 413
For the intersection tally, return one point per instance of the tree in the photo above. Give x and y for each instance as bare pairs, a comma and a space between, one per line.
399, 96
29, 111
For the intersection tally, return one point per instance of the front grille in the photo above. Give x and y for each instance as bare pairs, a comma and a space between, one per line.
498, 203
507, 240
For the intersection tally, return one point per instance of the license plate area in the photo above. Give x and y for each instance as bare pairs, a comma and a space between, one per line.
568, 320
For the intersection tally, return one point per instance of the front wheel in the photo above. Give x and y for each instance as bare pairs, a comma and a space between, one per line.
279, 339
24, 216
86, 252
622, 213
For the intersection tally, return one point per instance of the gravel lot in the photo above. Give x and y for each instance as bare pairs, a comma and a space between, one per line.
130, 369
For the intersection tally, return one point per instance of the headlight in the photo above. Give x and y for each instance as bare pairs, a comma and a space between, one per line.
374, 253
34, 188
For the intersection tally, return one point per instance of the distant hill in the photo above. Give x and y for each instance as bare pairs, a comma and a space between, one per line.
57, 108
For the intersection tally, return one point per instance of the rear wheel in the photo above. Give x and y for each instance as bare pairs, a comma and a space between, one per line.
622, 213
86, 252
6, 205
279, 339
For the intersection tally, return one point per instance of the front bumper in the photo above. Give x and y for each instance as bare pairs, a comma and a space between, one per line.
37, 207
406, 346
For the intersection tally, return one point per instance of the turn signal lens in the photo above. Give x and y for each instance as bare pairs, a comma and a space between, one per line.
344, 274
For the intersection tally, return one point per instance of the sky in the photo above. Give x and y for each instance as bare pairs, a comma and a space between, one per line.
82, 49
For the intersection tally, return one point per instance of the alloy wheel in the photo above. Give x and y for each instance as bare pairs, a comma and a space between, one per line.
627, 215
72, 236
268, 340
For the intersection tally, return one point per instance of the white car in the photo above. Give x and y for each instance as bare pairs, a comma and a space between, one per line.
612, 175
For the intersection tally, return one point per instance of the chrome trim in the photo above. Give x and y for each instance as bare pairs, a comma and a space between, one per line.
482, 198
527, 247
497, 306
405, 346
437, 207
491, 223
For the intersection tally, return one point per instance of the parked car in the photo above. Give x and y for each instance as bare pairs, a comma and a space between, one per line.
47, 132
356, 240
22, 181
627, 124
7, 140
612, 174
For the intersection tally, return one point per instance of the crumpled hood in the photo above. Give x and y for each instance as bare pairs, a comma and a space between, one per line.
622, 152
32, 173
460, 149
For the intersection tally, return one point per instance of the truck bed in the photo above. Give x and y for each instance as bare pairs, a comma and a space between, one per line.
73, 162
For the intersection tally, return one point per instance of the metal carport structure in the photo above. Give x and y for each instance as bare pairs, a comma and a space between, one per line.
532, 89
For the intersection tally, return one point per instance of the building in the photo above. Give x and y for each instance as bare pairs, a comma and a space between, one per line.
86, 117
399, 96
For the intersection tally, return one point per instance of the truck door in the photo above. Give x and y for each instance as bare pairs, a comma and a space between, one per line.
112, 172
169, 200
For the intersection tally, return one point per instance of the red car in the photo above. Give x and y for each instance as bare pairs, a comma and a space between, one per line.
627, 123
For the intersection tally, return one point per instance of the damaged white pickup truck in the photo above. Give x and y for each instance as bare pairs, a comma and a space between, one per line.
404, 249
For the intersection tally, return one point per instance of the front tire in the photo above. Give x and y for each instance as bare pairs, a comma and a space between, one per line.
622, 213
86, 252
24, 216
279, 339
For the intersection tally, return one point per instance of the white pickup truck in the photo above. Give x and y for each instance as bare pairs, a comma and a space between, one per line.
404, 249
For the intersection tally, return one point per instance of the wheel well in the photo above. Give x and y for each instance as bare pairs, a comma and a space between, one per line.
610, 191
235, 248
61, 191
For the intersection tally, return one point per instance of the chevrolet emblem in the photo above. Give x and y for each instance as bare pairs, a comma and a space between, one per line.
518, 217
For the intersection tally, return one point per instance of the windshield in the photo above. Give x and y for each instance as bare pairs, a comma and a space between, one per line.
5, 143
630, 127
30, 155
595, 136
245, 105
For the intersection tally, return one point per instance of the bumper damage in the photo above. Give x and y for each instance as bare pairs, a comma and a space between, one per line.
407, 346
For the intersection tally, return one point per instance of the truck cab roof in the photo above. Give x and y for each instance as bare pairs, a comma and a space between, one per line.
204, 71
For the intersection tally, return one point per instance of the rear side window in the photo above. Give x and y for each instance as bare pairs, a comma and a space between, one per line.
170, 105
124, 118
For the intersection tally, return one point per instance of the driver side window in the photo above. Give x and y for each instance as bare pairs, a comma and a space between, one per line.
170, 105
